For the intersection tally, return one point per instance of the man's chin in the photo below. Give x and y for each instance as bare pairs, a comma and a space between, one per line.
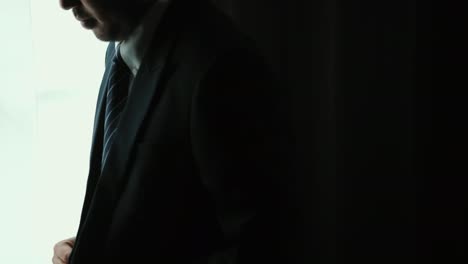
104, 35
99, 35
97, 29
108, 35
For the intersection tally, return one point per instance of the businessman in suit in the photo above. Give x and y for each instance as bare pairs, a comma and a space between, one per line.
189, 152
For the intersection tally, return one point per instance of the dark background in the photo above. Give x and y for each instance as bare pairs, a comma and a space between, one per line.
376, 94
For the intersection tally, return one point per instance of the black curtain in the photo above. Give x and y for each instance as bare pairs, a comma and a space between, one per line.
378, 117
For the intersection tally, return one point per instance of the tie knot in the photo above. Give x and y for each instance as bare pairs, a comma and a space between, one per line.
118, 63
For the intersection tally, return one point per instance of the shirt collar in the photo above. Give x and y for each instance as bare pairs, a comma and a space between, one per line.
134, 48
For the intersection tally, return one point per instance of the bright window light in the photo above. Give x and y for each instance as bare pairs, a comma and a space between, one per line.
50, 73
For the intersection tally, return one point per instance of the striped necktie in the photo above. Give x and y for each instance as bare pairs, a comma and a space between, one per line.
116, 97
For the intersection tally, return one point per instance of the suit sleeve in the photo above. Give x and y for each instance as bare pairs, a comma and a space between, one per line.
240, 144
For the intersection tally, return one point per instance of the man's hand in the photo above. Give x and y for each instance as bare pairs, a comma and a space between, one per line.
62, 251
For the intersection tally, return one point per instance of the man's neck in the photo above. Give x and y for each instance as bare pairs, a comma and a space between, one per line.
134, 47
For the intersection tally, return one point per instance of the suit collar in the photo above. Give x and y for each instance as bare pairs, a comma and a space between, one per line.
149, 84
158, 61
145, 93
157, 57
106, 184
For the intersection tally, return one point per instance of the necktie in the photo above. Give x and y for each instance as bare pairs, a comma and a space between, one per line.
116, 97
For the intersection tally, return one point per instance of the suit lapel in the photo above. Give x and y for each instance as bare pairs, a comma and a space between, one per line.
145, 93
103, 191
105, 188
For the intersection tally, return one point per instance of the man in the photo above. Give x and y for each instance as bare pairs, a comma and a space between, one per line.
188, 145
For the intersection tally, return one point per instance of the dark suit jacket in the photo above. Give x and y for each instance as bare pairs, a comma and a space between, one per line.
194, 175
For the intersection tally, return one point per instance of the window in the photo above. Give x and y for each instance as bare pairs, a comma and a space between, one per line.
50, 73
